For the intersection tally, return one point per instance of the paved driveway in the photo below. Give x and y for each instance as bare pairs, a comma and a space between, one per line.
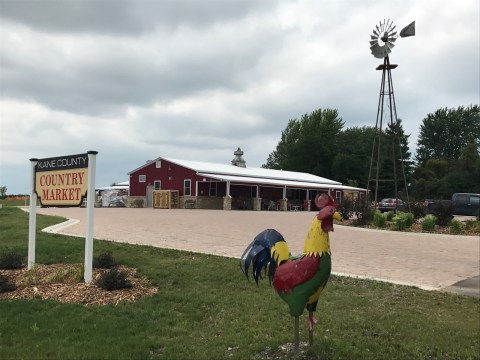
428, 261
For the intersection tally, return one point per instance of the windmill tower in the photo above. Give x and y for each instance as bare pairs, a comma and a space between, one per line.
381, 44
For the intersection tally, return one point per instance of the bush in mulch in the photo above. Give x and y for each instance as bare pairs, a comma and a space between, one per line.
428, 223
345, 208
113, 279
402, 221
379, 219
443, 211
11, 260
456, 227
6, 284
104, 261
364, 213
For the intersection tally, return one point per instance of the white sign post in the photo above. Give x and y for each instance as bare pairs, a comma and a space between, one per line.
92, 156
32, 220
60, 181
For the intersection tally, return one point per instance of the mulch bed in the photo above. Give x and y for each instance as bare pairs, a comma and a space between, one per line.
73, 293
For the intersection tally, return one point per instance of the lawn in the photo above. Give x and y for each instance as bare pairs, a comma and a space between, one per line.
205, 309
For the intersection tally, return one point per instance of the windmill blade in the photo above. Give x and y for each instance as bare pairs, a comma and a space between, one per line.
373, 37
378, 51
373, 42
389, 25
408, 30
390, 46
392, 39
376, 33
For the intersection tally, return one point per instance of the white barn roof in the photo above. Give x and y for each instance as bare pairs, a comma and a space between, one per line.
256, 175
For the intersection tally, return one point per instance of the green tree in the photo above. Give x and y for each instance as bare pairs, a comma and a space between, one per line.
308, 144
446, 132
394, 149
440, 178
352, 161
3, 192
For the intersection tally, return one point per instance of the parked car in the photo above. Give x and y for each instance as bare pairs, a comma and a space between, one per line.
390, 205
466, 203
428, 203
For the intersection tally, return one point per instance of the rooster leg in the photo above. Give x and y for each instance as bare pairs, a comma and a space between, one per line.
311, 321
297, 331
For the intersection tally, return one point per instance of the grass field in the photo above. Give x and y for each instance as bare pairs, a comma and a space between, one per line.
205, 309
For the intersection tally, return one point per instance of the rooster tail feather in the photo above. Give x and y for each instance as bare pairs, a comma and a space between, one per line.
266, 252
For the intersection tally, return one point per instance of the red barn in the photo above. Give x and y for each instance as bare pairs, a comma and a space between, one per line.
219, 186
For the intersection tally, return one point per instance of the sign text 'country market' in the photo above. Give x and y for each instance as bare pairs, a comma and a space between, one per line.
62, 181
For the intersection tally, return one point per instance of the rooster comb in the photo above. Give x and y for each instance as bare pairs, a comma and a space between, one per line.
322, 200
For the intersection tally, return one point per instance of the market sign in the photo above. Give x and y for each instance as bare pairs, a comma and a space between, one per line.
62, 181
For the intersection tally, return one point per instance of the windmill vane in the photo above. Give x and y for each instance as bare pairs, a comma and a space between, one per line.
384, 35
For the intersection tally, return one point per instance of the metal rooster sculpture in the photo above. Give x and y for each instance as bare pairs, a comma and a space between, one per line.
299, 280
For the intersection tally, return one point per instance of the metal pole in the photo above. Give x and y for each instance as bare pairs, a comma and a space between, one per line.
399, 145
393, 124
297, 335
32, 220
90, 205
380, 110
378, 134
310, 330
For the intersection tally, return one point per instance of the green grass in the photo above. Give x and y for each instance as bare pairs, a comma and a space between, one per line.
206, 307
16, 201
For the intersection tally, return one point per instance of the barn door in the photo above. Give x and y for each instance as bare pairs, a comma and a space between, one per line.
149, 196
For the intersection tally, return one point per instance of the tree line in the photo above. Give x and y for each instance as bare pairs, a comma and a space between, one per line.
446, 161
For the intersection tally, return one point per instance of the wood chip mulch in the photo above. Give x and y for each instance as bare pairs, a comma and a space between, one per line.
73, 293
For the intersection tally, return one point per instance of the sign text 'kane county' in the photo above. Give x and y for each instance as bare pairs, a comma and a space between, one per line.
62, 181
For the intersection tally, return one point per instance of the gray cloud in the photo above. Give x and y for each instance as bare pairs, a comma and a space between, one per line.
196, 79
123, 17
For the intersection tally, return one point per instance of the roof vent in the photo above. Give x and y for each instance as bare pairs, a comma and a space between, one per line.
238, 160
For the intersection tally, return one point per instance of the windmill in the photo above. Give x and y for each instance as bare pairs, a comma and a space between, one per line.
382, 42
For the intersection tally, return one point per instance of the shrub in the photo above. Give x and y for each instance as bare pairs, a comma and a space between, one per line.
409, 218
104, 261
379, 219
114, 279
72, 275
402, 221
363, 212
389, 215
346, 208
5, 284
428, 223
418, 209
30, 276
472, 225
11, 260
456, 226
443, 211
138, 203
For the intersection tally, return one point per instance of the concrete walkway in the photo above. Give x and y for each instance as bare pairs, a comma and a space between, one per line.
428, 261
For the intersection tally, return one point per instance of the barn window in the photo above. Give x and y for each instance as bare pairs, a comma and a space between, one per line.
158, 164
338, 197
212, 191
187, 187
142, 178
157, 185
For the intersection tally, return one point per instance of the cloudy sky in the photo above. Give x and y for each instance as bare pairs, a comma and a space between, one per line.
194, 80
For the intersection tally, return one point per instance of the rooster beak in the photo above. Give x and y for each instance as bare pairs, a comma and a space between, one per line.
337, 216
